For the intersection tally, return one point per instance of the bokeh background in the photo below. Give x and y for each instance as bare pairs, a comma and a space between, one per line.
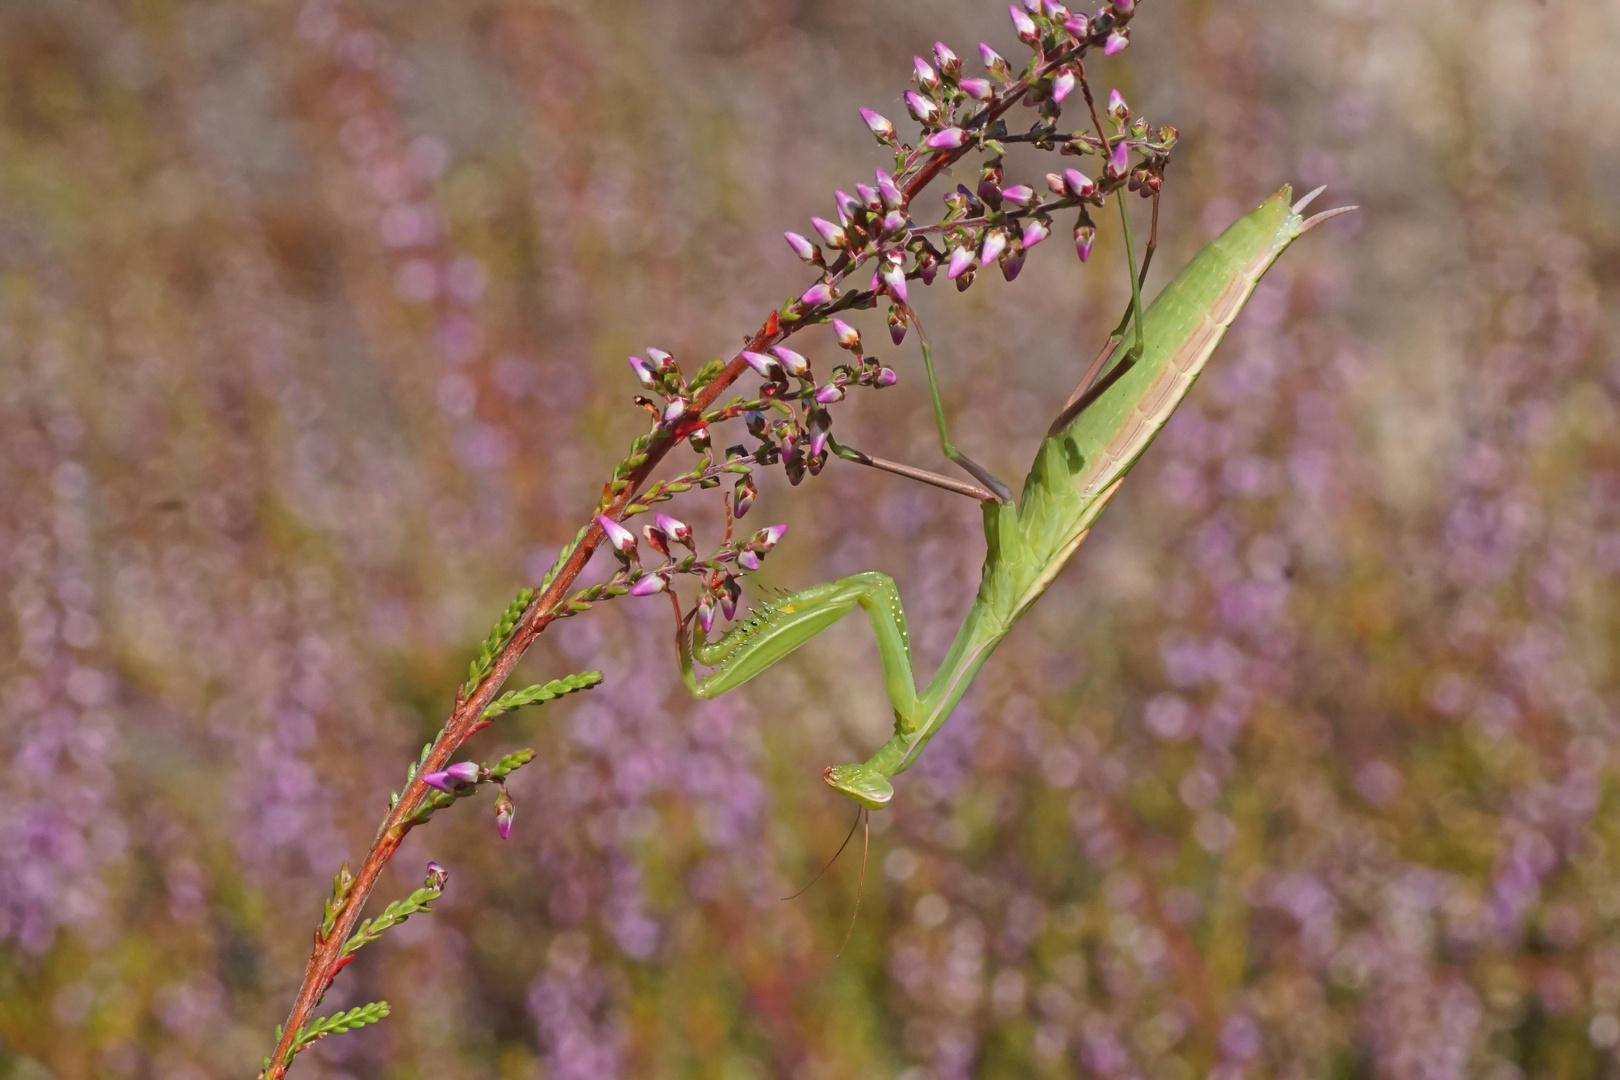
313, 320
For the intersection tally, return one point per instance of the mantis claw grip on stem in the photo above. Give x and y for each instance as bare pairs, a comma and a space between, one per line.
1085, 455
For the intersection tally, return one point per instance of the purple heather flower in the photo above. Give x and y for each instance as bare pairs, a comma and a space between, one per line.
1083, 236
829, 394
803, 248
1117, 107
847, 205
886, 188
897, 328
921, 109
744, 497
748, 560
1023, 25
678, 531
504, 811
948, 139
456, 776
674, 410
622, 539
995, 242
946, 60
961, 259
977, 89
648, 584
818, 443
868, 196
1119, 160
886, 377
1117, 40
817, 294
927, 77
1035, 230
990, 58
791, 361
895, 221
705, 612
894, 278
1019, 194
1012, 264
767, 366
662, 360
1078, 183
1063, 85
833, 234
848, 337
643, 370
730, 592
436, 877
768, 538
1079, 26
878, 125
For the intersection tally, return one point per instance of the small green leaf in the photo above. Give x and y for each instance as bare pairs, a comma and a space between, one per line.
538, 695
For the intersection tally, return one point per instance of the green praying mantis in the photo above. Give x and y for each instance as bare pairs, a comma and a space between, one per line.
1101, 433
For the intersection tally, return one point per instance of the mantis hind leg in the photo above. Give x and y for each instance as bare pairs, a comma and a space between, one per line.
983, 475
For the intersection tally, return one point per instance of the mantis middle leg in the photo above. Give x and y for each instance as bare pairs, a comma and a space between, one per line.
778, 627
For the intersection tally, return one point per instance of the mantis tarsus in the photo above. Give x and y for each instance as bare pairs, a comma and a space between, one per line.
1081, 462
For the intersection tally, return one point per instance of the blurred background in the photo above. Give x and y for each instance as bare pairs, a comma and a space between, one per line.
313, 320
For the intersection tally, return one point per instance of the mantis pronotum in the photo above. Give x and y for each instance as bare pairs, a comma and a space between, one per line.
1087, 451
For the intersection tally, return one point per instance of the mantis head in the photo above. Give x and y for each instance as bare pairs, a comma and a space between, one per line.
863, 783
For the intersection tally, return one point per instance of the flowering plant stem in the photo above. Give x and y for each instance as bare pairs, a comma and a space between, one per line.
467, 717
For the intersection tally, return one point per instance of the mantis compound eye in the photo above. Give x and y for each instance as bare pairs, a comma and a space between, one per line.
862, 783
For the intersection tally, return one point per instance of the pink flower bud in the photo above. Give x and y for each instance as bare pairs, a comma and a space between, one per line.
1035, 230
848, 337
1012, 264
803, 248
656, 539
990, 58
505, 810
1084, 234
1062, 86
868, 196
748, 560
831, 233
649, 584
743, 497
945, 59
1023, 25
1078, 183
674, 410
661, 359
1054, 184
705, 613
1117, 40
818, 445
1018, 194
791, 361
892, 196
1054, 10
1117, 107
622, 539
817, 294
879, 126
977, 89
948, 139
961, 259
894, 279
995, 242
643, 370
767, 367
848, 205
1078, 25
436, 877
676, 530
730, 593
1119, 160
926, 76
894, 222
886, 377
767, 538
1124, 7
830, 394
921, 109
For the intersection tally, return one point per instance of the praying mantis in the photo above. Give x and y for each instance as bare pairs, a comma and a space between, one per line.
1101, 433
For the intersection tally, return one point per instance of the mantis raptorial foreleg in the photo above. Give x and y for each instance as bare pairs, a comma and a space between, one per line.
781, 625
